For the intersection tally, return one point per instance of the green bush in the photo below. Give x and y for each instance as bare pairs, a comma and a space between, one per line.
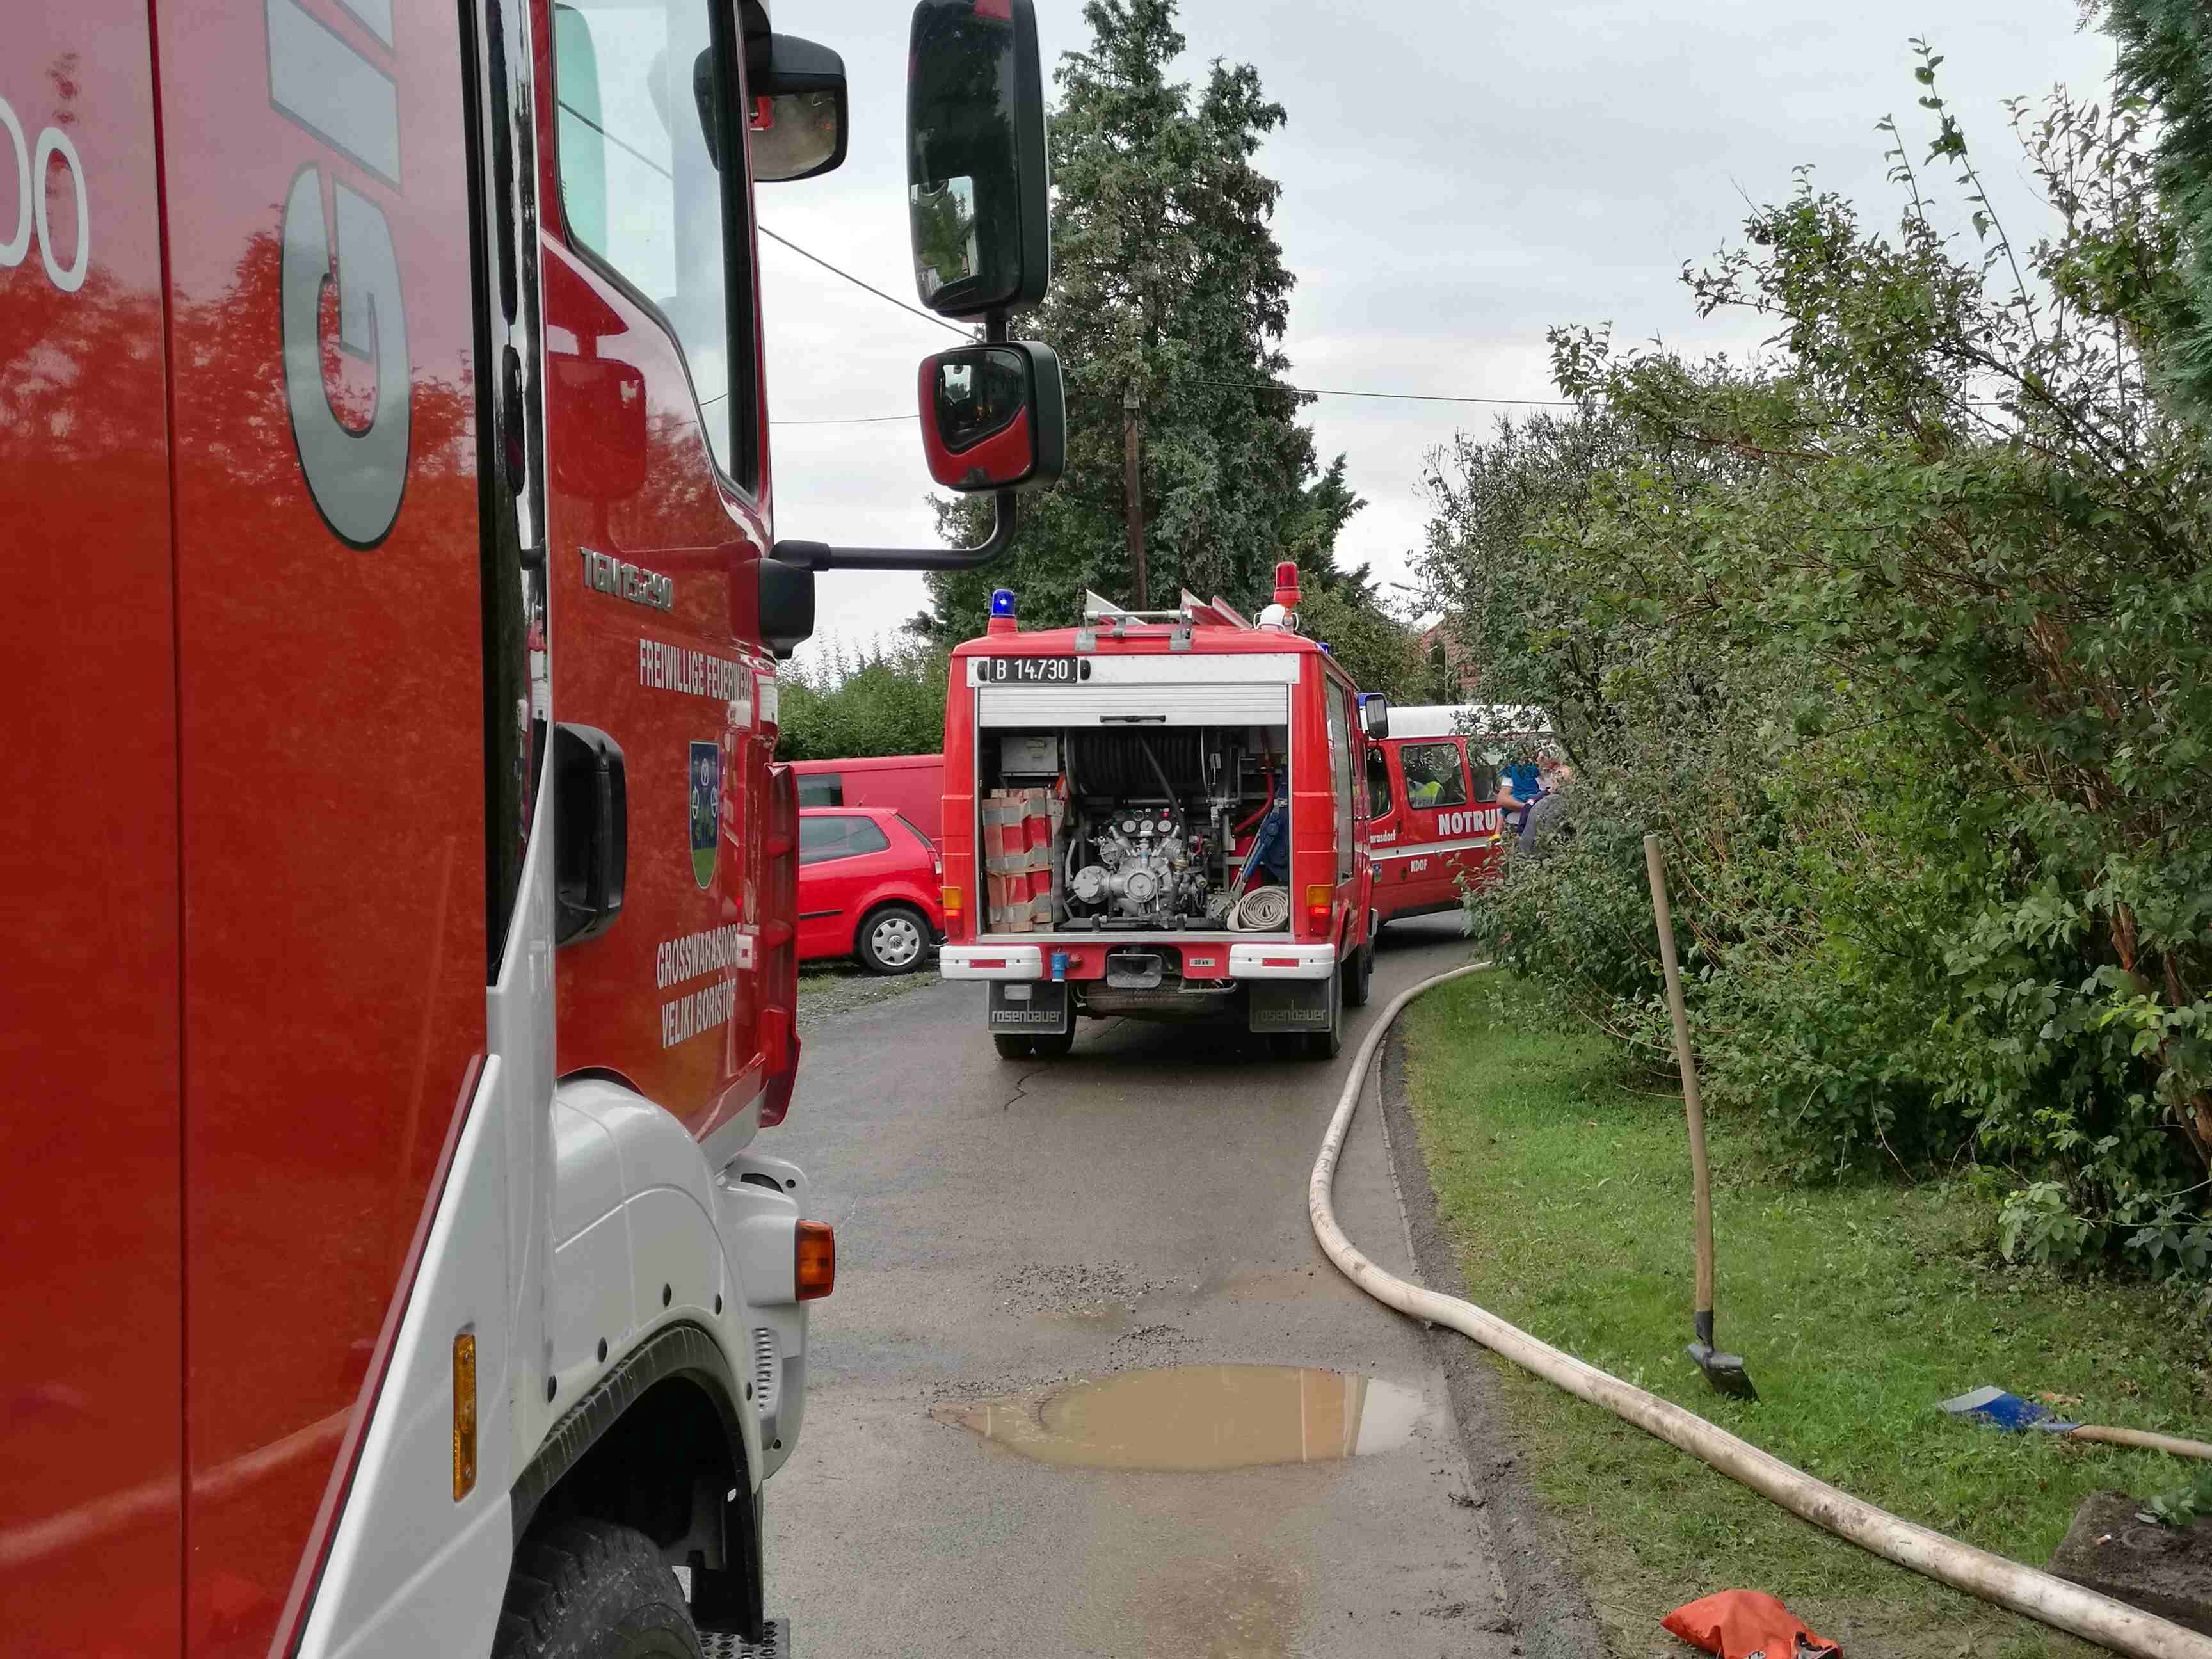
887, 698
1902, 639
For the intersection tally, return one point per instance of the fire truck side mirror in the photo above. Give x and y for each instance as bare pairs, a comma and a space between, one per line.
797, 114
591, 832
1374, 714
977, 197
993, 416
786, 605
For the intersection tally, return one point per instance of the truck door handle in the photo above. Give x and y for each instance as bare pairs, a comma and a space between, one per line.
591, 832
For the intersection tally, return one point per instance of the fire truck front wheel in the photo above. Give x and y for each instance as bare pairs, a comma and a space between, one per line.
594, 1588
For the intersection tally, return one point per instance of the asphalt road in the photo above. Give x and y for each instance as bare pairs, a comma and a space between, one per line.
1009, 1230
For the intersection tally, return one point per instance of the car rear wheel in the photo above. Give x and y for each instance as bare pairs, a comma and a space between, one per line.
893, 938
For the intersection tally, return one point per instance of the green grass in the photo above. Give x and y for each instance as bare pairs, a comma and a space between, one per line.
1856, 1308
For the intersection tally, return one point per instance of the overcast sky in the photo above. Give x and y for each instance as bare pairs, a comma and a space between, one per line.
1457, 176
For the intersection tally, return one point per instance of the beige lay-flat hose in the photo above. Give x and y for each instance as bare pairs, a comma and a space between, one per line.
2039, 1595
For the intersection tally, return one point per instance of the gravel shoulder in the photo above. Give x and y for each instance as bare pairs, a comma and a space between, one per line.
829, 989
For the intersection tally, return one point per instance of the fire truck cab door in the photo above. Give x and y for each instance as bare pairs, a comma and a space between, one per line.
329, 677
652, 418
1441, 829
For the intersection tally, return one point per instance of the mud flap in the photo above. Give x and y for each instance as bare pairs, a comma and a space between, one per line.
1031, 1007
1290, 1005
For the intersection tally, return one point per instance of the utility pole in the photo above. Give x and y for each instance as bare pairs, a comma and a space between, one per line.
1132, 480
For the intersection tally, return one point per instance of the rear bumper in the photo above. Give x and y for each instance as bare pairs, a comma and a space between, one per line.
1277, 960
991, 962
1281, 961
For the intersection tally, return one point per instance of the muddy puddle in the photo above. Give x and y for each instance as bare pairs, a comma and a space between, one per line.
1199, 1417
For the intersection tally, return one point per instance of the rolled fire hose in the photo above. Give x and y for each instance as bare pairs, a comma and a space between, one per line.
2039, 1595
1262, 910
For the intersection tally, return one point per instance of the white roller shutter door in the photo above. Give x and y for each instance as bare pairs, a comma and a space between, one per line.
1115, 705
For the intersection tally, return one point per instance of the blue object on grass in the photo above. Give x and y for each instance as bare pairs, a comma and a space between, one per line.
2007, 1410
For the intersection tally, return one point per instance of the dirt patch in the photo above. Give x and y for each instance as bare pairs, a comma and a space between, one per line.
2167, 1570
1148, 1345
1076, 1290
828, 990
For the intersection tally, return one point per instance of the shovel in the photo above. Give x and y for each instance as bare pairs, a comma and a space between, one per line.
1723, 1371
2009, 1410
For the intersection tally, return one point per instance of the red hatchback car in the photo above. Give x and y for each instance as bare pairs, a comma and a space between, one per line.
867, 889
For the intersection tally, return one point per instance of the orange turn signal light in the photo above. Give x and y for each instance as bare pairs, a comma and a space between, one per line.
952, 898
815, 1268
1318, 899
464, 1415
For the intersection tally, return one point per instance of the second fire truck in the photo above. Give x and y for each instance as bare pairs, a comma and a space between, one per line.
1158, 814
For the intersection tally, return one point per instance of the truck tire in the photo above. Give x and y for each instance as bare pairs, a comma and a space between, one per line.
1013, 1048
893, 938
591, 1590
1056, 1045
1359, 974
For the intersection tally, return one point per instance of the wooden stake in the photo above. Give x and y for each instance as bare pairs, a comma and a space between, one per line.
1701, 1187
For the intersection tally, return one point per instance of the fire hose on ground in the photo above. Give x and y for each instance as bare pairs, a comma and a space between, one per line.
2039, 1595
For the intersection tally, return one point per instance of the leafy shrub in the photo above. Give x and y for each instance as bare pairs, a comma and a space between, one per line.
886, 698
1902, 640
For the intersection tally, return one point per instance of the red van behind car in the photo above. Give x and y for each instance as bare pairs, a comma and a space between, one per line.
910, 785
1434, 819
868, 888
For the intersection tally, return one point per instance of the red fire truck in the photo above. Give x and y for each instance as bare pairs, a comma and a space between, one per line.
1438, 826
400, 902
1158, 814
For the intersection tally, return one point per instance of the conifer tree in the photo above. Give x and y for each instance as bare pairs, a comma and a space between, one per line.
1169, 304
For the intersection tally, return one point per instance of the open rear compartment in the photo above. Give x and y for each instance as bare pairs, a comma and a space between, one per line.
1135, 831
1137, 851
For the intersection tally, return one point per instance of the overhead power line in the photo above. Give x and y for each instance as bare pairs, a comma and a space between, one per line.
1263, 386
1396, 397
926, 316
1249, 385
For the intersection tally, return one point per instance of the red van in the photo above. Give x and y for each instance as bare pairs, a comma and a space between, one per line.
867, 889
912, 786
1434, 817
